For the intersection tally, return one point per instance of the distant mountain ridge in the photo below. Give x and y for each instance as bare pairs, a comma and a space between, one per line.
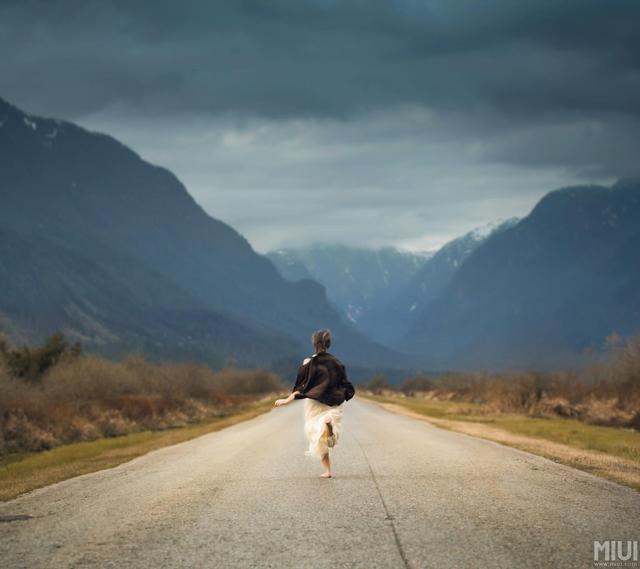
382, 291
122, 257
542, 292
390, 321
357, 279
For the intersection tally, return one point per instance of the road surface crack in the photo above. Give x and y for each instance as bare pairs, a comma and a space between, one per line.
388, 516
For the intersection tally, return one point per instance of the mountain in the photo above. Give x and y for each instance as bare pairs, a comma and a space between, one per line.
390, 320
290, 264
114, 251
116, 307
542, 292
357, 280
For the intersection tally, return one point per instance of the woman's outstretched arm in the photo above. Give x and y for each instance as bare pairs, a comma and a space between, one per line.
300, 386
281, 402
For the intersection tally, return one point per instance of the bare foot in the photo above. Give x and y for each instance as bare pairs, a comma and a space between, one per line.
325, 475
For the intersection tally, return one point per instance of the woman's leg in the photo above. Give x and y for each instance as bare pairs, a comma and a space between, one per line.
327, 432
327, 466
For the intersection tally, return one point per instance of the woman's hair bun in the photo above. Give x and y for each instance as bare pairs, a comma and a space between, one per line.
321, 340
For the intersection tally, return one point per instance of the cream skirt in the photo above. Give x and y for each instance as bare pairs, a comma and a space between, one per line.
314, 425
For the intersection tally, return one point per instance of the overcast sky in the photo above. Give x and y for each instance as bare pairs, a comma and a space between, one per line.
369, 123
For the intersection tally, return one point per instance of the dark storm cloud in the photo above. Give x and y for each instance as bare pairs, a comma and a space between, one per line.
441, 113
309, 58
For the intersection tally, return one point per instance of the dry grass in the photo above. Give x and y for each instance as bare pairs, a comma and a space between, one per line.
607, 393
89, 398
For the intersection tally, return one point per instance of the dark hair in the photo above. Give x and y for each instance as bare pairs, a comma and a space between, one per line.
321, 340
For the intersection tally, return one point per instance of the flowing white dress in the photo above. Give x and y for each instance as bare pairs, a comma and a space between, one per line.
314, 426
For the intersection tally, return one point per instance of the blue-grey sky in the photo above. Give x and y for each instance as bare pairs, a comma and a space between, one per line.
364, 122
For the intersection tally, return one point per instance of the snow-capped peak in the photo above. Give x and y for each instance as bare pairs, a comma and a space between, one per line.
30, 123
482, 232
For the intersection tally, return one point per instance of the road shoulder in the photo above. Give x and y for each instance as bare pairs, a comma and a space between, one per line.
601, 464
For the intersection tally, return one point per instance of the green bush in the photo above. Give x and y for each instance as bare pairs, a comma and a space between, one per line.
32, 363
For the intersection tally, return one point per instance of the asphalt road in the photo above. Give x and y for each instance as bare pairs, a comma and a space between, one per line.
406, 494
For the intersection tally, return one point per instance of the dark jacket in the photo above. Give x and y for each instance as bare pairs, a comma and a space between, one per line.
324, 379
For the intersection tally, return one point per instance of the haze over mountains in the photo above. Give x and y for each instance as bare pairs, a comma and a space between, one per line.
114, 251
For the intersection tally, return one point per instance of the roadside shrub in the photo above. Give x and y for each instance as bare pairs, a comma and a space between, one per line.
606, 393
623, 378
87, 397
377, 384
32, 363
416, 383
